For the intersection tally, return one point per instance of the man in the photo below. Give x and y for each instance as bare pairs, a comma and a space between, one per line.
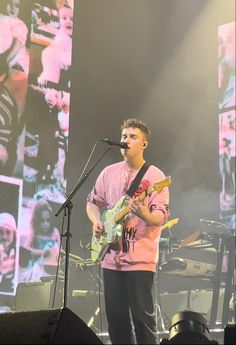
129, 266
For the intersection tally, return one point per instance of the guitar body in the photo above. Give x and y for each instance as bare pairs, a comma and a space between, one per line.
112, 231
113, 222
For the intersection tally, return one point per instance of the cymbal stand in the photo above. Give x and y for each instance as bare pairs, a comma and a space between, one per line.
98, 309
158, 313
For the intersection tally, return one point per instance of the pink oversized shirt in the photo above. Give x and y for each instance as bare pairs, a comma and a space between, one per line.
139, 247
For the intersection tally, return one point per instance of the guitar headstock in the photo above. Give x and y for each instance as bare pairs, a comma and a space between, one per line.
158, 186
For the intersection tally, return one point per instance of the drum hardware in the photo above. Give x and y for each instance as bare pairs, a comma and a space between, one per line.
165, 247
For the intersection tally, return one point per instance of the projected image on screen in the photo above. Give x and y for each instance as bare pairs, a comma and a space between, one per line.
227, 160
14, 29
46, 143
48, 101
35, 82
10, 198
39, 242
227, 118
14, 67
55, 31
226, 67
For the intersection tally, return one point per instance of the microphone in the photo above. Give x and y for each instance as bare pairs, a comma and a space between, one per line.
110, 142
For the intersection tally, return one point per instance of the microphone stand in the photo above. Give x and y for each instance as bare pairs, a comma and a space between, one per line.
67, 206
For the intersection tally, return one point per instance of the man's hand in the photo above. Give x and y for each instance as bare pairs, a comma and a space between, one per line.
97, 229
138, 209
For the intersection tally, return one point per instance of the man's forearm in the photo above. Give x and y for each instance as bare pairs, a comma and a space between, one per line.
93, 212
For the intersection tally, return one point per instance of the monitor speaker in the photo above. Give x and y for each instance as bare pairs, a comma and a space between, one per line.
39, 296
55, 326
33, 296
171, 303
230, 334
201, 302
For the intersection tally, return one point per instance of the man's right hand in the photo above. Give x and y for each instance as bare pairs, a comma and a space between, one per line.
97, 229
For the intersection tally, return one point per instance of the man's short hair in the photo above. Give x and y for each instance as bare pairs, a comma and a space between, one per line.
136, 123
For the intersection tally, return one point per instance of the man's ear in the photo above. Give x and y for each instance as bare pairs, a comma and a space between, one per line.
145, 144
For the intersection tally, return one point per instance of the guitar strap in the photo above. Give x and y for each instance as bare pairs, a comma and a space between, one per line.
137, 180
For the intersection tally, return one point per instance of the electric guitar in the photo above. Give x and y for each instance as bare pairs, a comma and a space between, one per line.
113, 221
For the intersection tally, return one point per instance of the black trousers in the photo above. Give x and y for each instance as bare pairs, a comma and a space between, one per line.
129, 307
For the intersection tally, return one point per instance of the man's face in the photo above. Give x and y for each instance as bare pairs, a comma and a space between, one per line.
135, 140
13, 8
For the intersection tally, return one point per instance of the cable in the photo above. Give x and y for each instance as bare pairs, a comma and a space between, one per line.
88, 160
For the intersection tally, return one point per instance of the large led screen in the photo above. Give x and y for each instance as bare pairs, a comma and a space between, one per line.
35, 85
227, 151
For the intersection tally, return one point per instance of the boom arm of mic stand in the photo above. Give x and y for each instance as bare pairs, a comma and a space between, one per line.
68, 205
80, 183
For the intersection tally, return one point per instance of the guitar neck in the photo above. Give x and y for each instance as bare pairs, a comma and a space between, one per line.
122, 213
